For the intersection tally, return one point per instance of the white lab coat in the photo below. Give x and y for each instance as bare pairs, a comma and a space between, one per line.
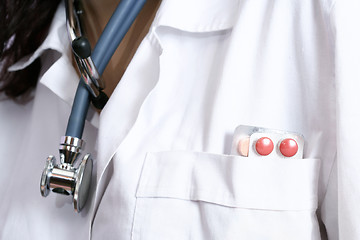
161, 144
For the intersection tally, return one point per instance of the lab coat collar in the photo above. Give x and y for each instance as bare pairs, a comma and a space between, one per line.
197, 16
57, 73
187, 15
54, 41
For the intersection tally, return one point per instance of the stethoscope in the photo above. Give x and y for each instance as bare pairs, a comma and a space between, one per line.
64, 178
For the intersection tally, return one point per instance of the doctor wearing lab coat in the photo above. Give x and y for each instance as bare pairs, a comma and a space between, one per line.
161, 146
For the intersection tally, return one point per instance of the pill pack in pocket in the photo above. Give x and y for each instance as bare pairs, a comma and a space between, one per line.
249, 141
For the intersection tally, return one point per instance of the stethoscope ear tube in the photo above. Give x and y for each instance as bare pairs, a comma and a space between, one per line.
114, 32
79, 111
117, 27
64, 178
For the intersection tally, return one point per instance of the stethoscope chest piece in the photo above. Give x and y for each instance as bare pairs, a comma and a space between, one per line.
64, 178
82, 183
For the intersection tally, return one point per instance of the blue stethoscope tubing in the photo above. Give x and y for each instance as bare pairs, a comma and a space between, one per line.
114, 32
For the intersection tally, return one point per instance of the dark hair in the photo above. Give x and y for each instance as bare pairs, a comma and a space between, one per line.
24, 26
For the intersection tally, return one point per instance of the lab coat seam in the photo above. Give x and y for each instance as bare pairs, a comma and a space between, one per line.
142, 177
328, 5
327, 20
332, 6
134, 219
199, 29
154, 39
328, 180
225, 199
331, 24
97, 198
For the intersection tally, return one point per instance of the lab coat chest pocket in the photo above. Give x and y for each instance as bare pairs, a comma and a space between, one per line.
192, 195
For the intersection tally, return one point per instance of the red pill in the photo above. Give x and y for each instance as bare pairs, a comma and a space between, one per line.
288, 147
264, 146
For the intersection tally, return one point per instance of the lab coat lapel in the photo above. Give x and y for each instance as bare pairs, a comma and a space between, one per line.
121, 112
142, 76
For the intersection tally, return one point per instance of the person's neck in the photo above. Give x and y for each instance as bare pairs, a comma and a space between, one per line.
96, 16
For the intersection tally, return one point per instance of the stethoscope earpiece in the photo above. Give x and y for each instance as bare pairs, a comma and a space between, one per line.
64, 178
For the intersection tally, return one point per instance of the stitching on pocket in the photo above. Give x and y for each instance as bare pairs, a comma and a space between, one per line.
166, 176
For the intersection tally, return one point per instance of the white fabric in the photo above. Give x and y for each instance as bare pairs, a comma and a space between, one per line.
161, 144
223, 179
232, 196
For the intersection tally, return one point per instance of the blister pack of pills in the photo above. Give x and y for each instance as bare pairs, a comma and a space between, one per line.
249, 141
